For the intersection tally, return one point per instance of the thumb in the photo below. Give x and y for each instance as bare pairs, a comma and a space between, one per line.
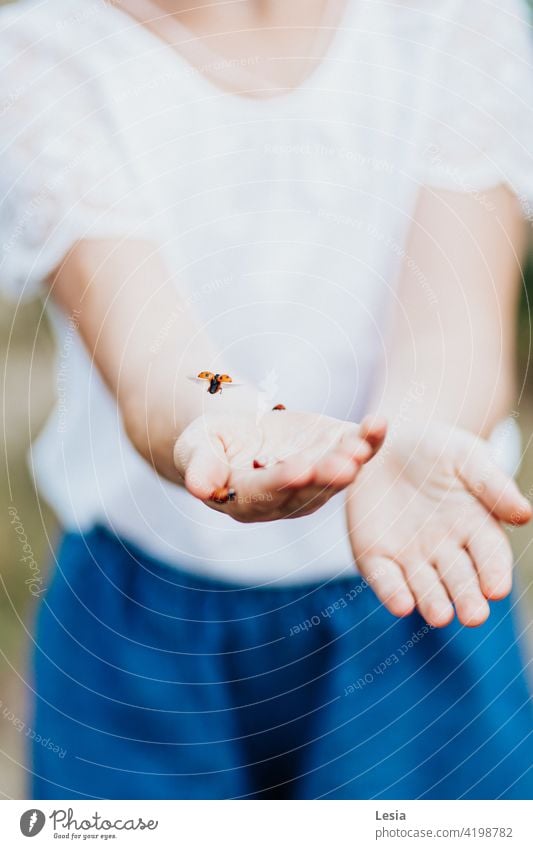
200, 458
491, 486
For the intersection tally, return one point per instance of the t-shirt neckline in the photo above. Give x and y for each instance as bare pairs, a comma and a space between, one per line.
317, 78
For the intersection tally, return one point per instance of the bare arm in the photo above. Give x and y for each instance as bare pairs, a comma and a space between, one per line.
453, 328
424, 520
146, 342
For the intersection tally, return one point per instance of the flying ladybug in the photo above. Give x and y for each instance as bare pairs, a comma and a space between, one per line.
215, 381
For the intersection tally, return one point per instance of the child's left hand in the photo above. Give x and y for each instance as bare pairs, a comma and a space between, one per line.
425, 525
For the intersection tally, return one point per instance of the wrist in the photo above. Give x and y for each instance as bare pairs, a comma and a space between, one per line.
151, 429
419, 410
156, 411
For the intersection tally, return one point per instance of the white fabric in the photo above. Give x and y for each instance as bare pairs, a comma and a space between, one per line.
284, 221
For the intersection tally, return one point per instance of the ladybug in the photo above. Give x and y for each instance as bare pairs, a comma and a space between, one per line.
215, 381
223, 494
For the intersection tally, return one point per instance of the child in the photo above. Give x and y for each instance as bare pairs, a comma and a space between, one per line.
324, 201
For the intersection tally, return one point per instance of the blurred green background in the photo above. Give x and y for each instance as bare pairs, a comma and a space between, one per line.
28, 390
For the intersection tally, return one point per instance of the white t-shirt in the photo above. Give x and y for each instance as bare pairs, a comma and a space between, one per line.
284, 221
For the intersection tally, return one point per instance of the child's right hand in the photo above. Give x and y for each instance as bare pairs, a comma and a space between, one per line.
281, 465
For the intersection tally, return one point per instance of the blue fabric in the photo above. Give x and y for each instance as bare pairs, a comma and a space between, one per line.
156, 684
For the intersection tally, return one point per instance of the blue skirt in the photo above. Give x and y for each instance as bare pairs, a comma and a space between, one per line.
154, 684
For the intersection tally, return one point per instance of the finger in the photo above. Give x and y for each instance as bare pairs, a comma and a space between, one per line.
389, 584
492, 556
295, 487
255, 503
335, 470
431, 597
302, 502
356, 449
203, 465
282, 477
493, 487
460, 578
372, 432
305, 501
257, 506
337, 464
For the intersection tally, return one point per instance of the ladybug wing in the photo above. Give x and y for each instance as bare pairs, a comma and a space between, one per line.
228, 381
207, 375
197, 379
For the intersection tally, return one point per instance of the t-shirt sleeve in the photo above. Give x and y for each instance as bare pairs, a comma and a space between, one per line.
65, 173
478, 114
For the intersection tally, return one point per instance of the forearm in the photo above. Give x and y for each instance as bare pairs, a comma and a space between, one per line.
469, 385
451, 346
145, 341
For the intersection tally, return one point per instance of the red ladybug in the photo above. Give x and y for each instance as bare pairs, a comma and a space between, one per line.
223, 494
215, 381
